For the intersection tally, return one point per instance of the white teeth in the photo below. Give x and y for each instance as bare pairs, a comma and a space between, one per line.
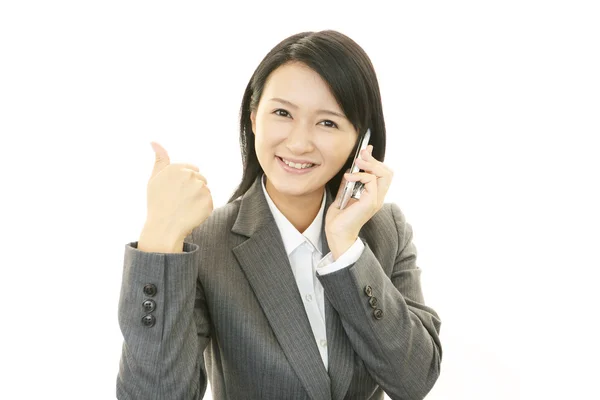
296, 165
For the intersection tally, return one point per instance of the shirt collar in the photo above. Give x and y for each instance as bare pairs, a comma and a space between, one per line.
290, 235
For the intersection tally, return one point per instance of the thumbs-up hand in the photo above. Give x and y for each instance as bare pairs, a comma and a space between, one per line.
178, 198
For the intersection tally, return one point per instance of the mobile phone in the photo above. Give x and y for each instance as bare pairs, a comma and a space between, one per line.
353, 189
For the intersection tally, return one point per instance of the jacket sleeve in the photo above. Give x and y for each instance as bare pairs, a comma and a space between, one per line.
385, 317
165, 326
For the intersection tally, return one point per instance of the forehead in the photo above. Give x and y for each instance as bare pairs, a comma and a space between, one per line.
300, 85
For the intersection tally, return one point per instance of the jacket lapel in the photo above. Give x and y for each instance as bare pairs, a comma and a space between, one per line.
266, 266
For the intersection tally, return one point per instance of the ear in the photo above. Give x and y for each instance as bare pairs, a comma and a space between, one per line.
253, 119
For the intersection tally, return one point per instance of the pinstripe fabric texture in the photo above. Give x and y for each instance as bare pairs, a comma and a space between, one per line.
228, 310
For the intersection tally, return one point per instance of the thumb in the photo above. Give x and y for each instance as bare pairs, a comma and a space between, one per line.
162, 158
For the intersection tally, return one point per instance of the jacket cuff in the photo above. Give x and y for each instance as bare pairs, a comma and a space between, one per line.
149, 281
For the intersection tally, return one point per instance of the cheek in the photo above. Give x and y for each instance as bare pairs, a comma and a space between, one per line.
270, 132
337, 153
333, 159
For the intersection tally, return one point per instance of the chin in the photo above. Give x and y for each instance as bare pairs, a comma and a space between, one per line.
294, 187
291, 188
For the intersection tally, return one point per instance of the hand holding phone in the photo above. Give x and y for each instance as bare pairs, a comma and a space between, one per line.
353, 189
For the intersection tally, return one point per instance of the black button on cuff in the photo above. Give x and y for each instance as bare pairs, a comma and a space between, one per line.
148, 320
377, 313
368, 290
373, 302
149, 289
149, 305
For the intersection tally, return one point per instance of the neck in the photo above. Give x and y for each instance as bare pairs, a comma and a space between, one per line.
299, 210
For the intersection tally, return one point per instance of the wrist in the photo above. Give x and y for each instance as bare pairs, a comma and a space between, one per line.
162, 228
340, 238
339, 245
157, 239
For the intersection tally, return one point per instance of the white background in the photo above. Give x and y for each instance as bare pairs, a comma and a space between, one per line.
492, 113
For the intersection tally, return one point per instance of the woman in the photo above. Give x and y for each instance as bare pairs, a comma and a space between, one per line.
279, 294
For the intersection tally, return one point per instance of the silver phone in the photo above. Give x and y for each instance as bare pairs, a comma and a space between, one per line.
354, 189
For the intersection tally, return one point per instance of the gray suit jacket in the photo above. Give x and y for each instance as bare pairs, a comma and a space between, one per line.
228, 309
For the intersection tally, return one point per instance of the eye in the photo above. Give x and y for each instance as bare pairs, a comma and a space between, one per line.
334, 124
280, 109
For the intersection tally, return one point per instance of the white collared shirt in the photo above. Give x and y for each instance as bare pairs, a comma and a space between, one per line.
305, 254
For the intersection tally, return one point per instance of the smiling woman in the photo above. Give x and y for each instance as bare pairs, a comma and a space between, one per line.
280, 294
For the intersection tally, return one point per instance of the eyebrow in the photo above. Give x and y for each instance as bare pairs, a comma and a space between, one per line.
289, 103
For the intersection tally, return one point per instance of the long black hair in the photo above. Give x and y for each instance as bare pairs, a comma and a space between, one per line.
348, 71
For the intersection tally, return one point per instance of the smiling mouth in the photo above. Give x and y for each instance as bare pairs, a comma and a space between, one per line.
293, 169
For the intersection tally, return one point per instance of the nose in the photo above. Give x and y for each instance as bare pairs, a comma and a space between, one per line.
299, 140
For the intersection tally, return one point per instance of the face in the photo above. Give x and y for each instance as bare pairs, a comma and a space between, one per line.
299, 120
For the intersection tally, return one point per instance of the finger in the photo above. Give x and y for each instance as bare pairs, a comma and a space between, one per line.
188, 166
203, 183
199, 176
375, 167
161, 158
363, 177
195, 171
160, 153
367, 154
369, 181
